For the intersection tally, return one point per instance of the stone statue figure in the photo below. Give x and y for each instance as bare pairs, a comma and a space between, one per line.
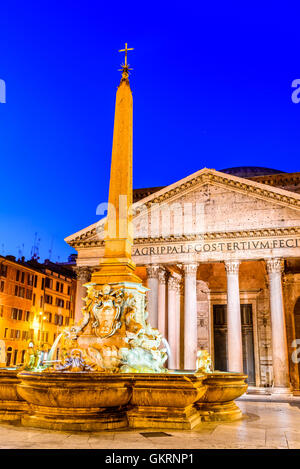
203, 362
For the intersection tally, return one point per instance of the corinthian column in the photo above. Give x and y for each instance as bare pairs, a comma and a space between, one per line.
83, 276
152, 280
234, 328
173, 286
162, 302
190, 316
279, 342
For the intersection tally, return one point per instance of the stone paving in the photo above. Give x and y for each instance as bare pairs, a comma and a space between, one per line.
265, 425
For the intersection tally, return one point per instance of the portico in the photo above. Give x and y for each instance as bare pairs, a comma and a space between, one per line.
212, 249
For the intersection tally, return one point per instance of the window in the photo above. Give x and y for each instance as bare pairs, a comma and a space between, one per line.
60, 320
16, 313
19, 291
48, 299
60, 302
61, 288
23, 356
17, 334
27, 315
18, 275
29, 294
24, 335
5, 332
45, 336
68, 304
30, 279
3, 270
33, 300
41, 301
2, 286
43, 283
56, 319
57, 286
1, 311
12, 333
48, 282
49, 317
35, 281
69, 290
15, 356
67, 321
22, 277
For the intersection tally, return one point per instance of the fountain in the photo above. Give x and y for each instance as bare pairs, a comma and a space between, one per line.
111, 371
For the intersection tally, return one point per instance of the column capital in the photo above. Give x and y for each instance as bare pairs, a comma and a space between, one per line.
190, 269
83, 273
152, 270
274, 265
173, 283
232, 266
162, 276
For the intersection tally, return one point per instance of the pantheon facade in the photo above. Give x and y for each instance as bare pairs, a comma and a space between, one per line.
220, 254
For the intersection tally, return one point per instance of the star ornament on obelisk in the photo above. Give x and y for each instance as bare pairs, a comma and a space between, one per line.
117, 264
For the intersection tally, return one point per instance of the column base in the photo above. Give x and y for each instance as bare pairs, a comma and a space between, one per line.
281, 391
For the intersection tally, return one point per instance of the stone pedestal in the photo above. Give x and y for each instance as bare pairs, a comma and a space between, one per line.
165, 401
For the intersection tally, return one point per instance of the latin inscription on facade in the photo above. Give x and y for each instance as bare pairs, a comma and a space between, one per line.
231, 246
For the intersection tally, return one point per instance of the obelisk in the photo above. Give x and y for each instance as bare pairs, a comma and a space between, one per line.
117, 266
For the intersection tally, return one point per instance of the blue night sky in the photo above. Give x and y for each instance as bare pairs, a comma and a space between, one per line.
211, 87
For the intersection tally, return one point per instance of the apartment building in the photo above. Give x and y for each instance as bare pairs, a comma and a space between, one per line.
36, 303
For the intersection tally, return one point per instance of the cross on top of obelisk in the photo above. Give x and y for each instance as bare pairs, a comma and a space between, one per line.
126, 50
125, 68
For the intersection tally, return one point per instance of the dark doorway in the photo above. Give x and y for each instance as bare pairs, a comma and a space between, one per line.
220, 337
8, 356
220, 340
297, 329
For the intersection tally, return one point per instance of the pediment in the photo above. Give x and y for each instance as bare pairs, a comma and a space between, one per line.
220, 203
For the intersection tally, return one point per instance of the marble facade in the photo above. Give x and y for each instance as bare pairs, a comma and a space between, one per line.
211, 240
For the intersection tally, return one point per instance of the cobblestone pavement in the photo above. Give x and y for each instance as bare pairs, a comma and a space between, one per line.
265, 425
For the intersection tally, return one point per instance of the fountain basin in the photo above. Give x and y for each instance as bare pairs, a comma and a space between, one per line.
88, 401
222, 388
75, 401
165, 400
12, 405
